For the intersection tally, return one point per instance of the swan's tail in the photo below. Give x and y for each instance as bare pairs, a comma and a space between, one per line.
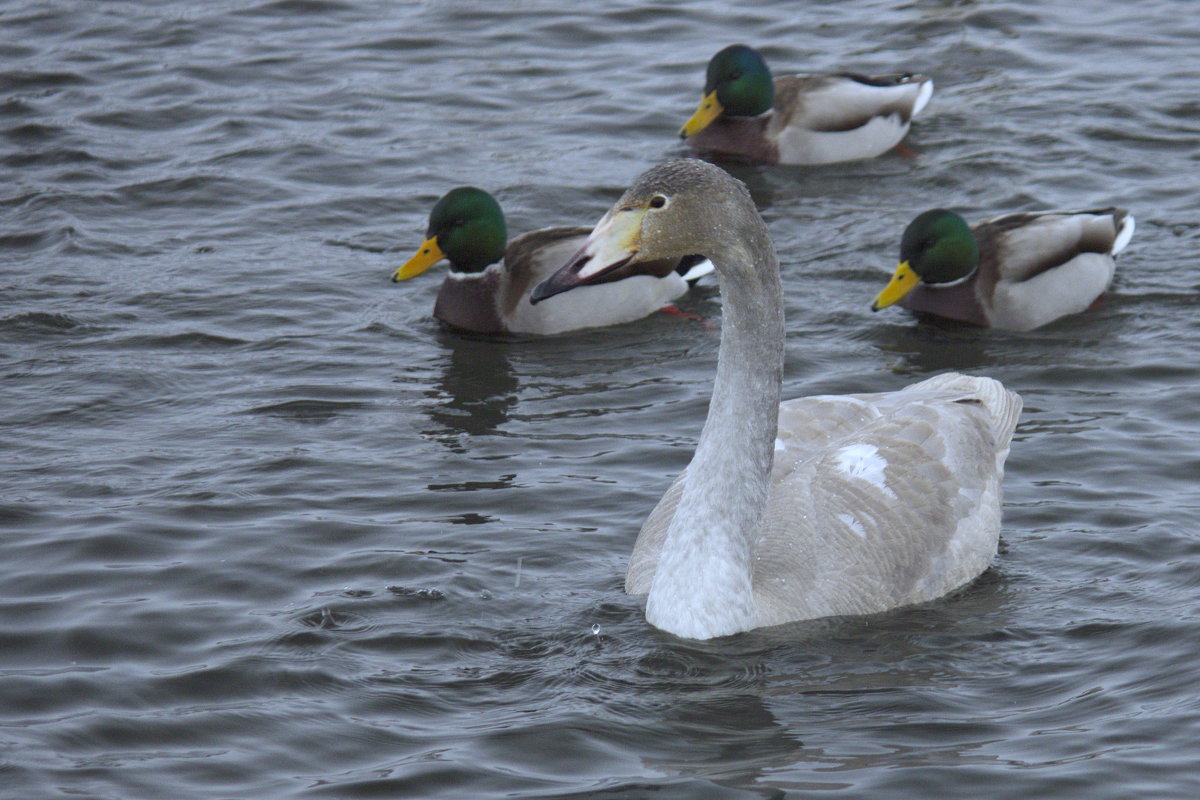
1002, 405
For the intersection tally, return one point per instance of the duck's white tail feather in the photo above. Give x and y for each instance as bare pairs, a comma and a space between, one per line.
923, 97
1124, 234
698, 271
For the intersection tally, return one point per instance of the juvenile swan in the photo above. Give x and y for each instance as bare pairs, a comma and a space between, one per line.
822, 505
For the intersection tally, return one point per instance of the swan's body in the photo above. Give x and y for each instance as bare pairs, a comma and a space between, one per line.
487, 288
1017, 272
821, 506
801, 119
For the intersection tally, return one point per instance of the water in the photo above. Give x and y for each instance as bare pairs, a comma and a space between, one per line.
269, 532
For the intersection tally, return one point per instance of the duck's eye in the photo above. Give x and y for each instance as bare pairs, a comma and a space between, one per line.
658, 201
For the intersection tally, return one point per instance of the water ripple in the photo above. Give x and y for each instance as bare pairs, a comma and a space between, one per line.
271, 531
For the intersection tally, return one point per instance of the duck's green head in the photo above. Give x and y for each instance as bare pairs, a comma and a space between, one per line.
937, 247
466, 227
739, 84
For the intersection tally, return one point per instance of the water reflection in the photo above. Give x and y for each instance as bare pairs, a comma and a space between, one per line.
935, 345
829, 704
475, 392
729, 739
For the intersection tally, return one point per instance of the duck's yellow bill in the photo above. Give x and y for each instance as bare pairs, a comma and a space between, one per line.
428, 255
903, 282
710, 108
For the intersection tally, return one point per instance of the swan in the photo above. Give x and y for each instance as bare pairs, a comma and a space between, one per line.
821, 506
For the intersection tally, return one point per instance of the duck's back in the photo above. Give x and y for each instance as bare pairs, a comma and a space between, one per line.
826, 118
1037, 267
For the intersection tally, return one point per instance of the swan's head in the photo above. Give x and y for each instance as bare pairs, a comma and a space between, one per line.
937, 247
682, 208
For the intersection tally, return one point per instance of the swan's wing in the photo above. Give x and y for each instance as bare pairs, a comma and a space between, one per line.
902, 510
650, 539
808, 425
805, 425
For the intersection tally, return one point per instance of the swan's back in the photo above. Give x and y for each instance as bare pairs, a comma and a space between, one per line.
877, 500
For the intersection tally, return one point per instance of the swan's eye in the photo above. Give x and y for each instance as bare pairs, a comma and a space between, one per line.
658, 201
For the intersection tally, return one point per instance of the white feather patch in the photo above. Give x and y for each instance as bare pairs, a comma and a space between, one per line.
862, 461
853, 524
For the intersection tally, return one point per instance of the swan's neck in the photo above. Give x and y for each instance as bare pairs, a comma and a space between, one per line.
702, 585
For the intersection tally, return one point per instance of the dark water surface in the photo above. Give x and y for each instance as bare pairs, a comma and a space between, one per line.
267, 531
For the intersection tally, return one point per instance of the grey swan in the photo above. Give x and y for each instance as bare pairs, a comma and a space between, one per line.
826, 505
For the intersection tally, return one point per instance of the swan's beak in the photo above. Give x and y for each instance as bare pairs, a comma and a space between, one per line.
903, 282
710, 108
427, 255
612, 244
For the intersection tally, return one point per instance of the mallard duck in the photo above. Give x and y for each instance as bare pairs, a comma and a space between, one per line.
820, 506
801, 119
1017, 272
487, 290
